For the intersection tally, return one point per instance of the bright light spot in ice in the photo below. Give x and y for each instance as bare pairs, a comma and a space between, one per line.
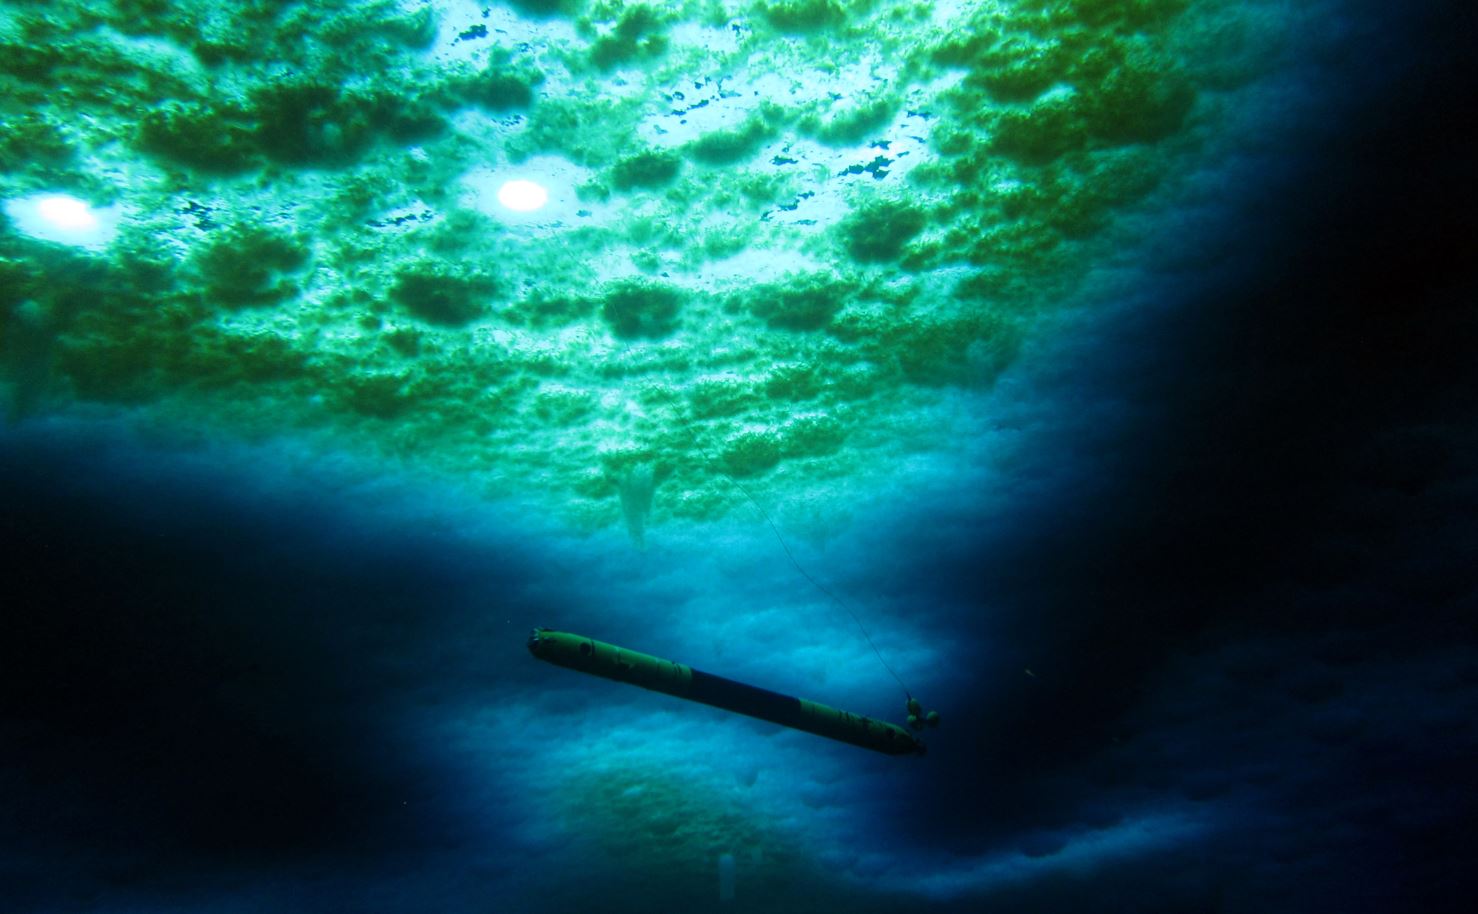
65, 219
66, 212
537, 195
522, 196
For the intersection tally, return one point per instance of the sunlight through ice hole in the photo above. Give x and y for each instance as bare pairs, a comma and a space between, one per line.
522, 196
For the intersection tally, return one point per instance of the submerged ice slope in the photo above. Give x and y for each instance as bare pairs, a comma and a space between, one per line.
322, 678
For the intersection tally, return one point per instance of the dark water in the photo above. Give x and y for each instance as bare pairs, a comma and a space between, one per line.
1216, 641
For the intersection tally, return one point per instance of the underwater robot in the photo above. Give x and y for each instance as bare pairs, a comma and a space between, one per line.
586, 655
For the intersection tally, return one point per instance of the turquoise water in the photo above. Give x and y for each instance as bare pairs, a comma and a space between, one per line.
1096, 372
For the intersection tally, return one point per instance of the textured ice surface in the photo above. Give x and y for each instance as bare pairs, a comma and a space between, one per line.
1032, 327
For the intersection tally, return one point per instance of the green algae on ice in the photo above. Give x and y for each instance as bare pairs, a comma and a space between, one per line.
776, 231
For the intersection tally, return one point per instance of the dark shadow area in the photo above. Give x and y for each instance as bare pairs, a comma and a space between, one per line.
1296, 473
195, 682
